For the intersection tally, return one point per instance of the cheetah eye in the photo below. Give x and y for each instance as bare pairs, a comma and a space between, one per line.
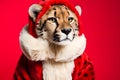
52, 19
70, 19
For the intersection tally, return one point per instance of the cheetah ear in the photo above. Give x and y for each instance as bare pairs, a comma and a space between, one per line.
78, 8
34, 11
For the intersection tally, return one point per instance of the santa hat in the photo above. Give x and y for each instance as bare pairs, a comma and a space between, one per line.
45, 5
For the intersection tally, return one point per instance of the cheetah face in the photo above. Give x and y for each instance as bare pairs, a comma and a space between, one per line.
59, 25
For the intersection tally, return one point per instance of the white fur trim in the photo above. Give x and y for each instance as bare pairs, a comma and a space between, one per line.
39, 49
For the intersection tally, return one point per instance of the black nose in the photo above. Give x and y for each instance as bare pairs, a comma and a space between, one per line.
66, 31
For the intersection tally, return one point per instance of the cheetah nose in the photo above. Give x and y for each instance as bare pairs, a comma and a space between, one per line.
66, 31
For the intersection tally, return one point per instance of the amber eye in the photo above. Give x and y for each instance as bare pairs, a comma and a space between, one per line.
70, 19
52, 19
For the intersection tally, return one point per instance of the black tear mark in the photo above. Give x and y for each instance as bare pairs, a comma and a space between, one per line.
43, 25
55, 13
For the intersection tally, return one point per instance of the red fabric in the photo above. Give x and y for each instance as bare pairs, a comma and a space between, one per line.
31, 28
29, 70
46, 5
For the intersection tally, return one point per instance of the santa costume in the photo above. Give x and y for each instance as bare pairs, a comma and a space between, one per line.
27, 69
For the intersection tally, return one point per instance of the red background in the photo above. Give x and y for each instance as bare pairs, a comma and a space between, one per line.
101, 21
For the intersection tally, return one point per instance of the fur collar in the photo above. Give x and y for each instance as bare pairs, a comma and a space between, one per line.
38, 49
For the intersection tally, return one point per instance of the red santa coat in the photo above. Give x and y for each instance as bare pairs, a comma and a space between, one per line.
31, 70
